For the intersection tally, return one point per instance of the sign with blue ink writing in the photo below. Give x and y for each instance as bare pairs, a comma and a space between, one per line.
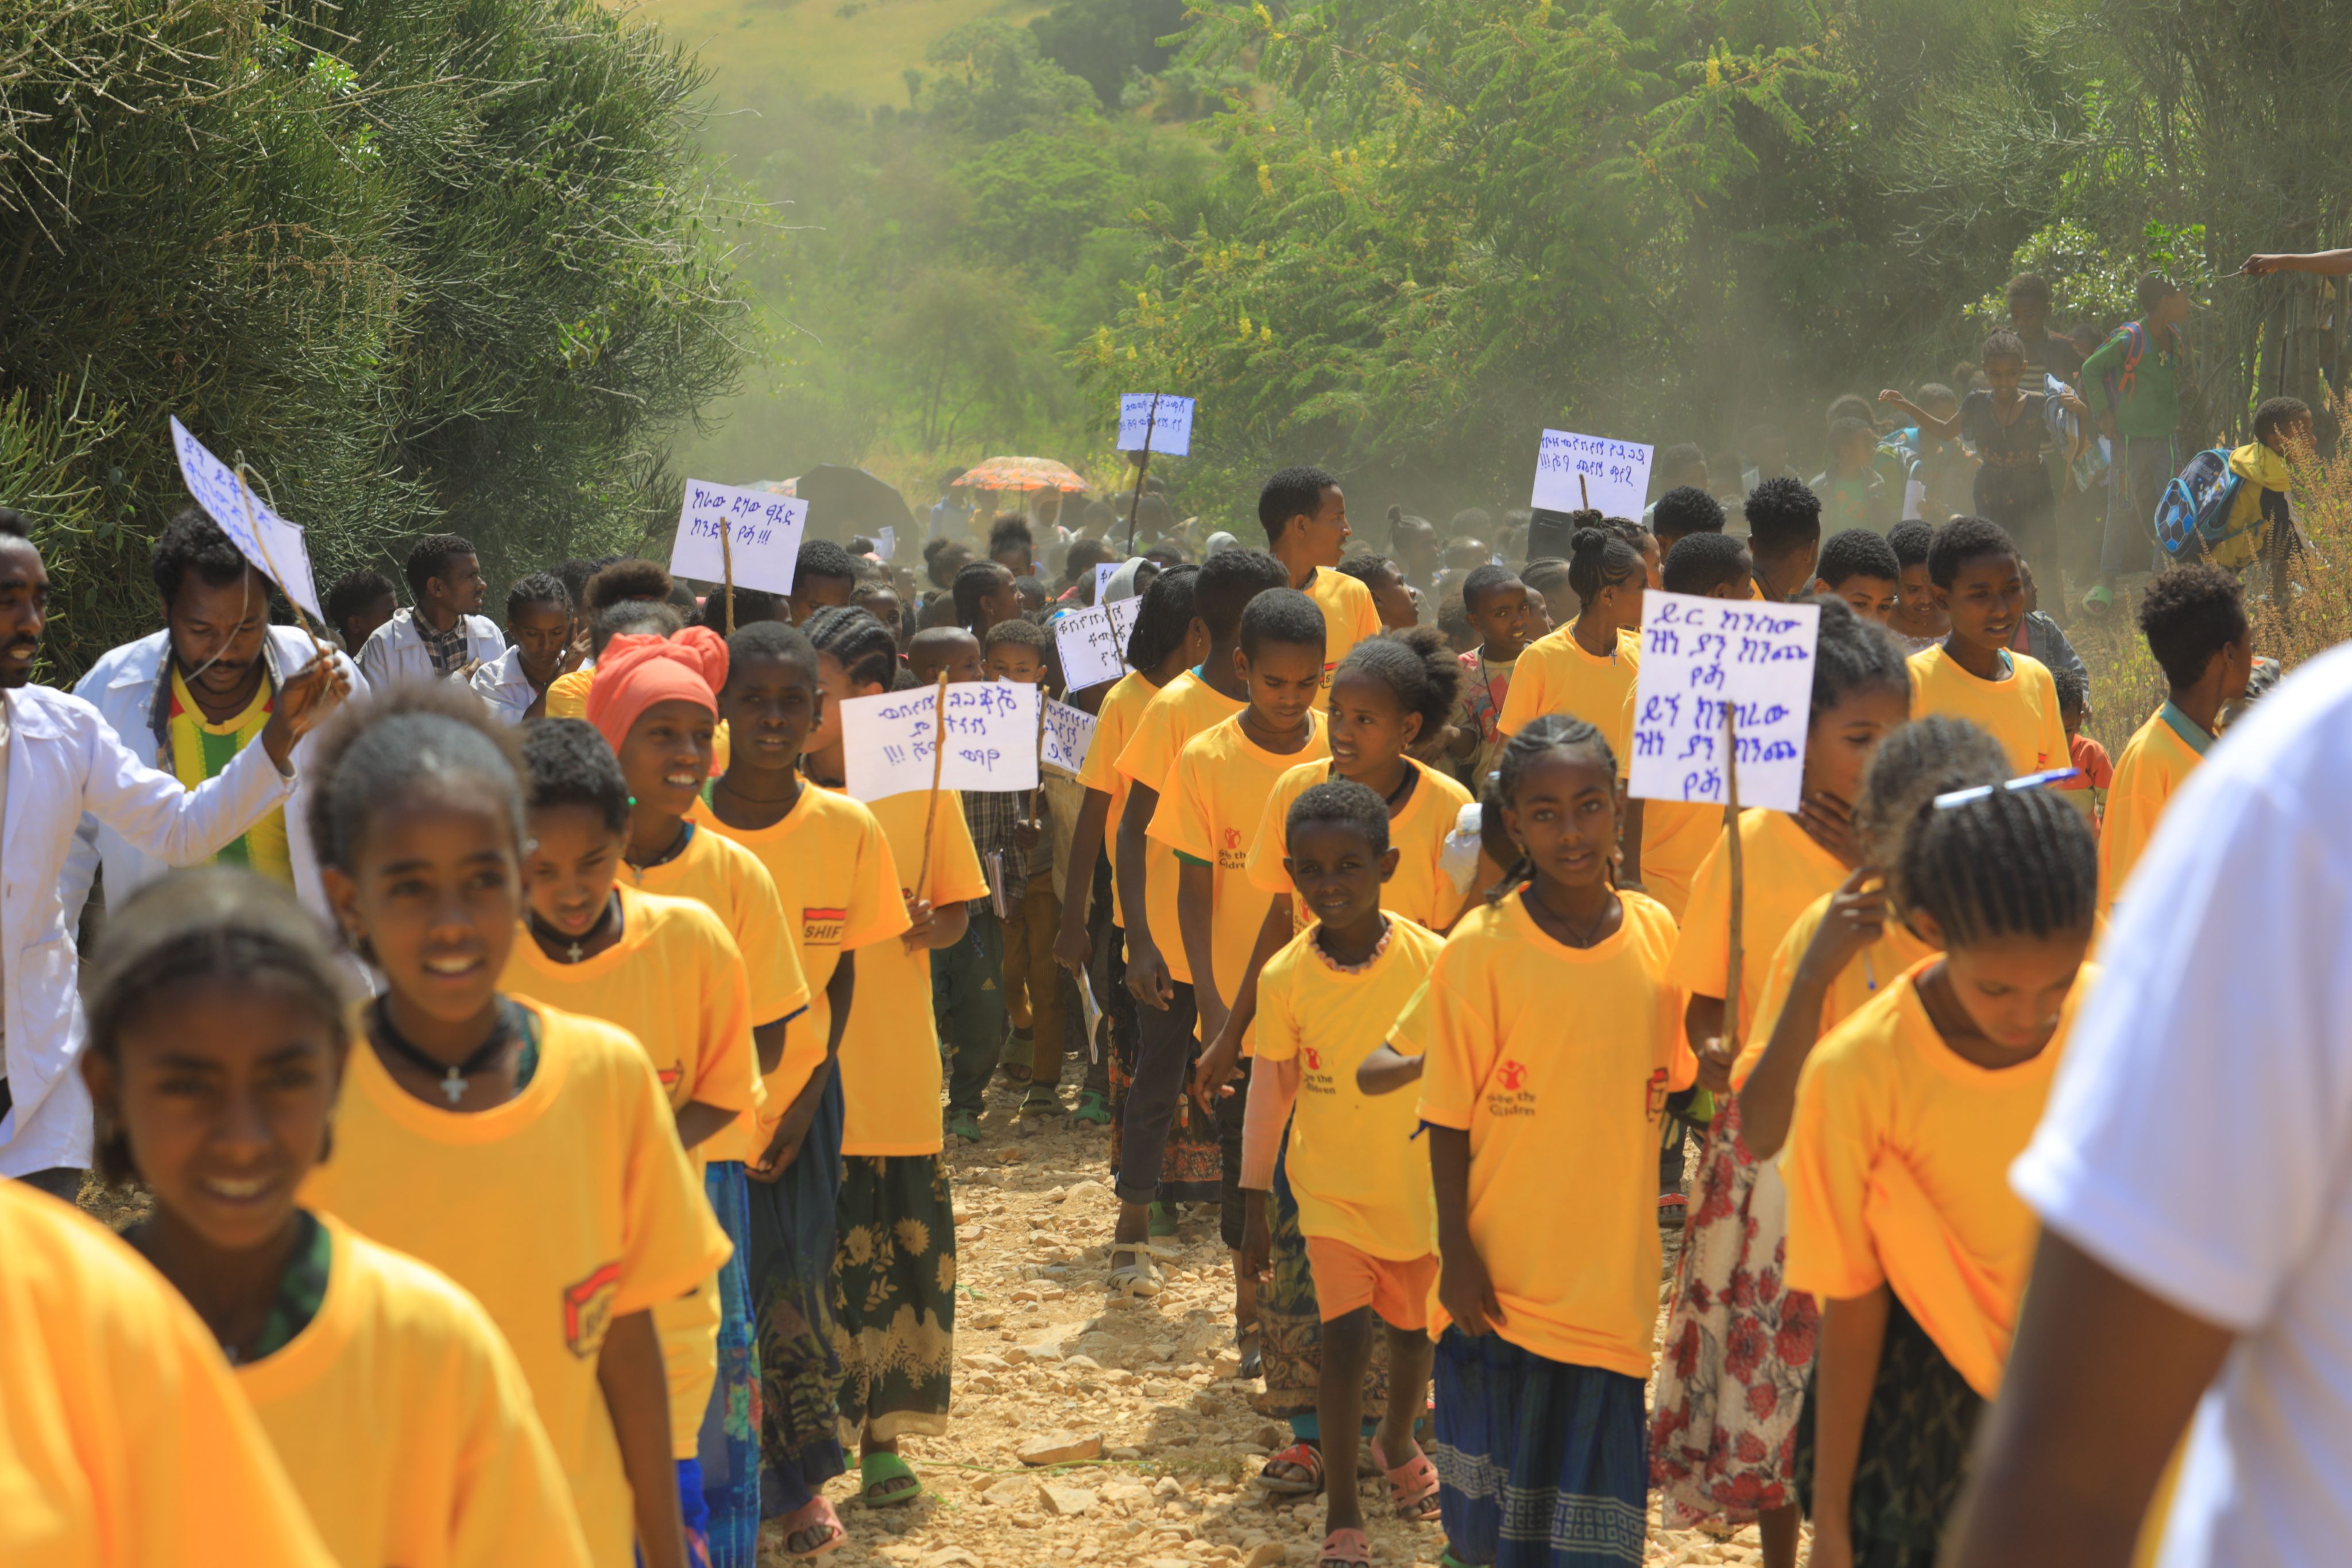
1069, 734
1614, 474
1106, 570
1093, 641
988, 739
765, 534
1698, 654
1160, 422
274, 546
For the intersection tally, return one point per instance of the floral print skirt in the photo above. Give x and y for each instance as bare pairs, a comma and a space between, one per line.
894, 1280
1738, 1349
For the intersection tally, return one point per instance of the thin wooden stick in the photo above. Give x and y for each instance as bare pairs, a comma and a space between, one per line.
727, 566
1738, 875
1584, 492
1135, 505
931, 803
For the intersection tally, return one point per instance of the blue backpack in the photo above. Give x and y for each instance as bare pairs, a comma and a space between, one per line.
2201, 514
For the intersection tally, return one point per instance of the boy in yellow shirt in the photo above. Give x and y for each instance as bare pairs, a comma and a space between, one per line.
1305, 515
1324, 1003
2195, 624
1972, 673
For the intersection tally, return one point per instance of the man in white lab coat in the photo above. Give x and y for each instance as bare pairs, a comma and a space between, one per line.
440, 637
58, 760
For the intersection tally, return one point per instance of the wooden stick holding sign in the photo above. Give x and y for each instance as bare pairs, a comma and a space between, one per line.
1738, 877
727, 568
1584, 492
1142, 463
932, 802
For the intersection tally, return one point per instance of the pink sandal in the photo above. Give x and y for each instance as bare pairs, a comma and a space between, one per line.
1298, 1456
1344, 1549
1412, 1485
817, 1513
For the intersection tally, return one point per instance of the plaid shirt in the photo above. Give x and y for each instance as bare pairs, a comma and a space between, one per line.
446, 649
993, 814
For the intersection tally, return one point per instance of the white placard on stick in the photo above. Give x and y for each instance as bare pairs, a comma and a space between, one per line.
1162, 422
989, 739
765, 534
886, 544
274, 546
1614, 474
1093, 643
1698, 654
1069, 734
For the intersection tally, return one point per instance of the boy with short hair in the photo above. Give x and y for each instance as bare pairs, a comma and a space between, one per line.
2194, 618
1495, 603
1859, 567
1784, 538
2282, 430
1382, 579
1945, 470
949, 648
1852, 493
824, 575
1916, 624
538, 649
1679, 513
1019, 652
1305, 515
358, 604
968, 978
1973, 674
440, 636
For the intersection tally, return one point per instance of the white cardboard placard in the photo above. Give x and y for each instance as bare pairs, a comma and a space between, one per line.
886, 544
989, 739
766, 536
1615, 474
1103, 572
1167, 422
1069, 735
274, 546
1697, 654
1093, 641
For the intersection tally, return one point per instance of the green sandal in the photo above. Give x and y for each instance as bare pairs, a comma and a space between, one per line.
1041, 1100
1163, 1220
1092, 1109
886, 1482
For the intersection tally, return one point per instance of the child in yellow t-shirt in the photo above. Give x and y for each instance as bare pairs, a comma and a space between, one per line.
392, 1401
1585, 668
527, 1153
894, 1268
665, 971
1723, 1425
1908, 1115
839, 882
1548, 1031
655, 701
1359, 1187
1972, 673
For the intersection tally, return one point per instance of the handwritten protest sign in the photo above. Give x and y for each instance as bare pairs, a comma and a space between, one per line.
1093, 643
1615, 474
765, 534
274, 546
1698, 654
1162, 422
1069, 734
988, 739
886, 545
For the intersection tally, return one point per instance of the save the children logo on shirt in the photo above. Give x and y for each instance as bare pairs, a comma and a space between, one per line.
1233, 856
1658, 1087
1509, 1094
823, 926
1313, 1080
588, 1311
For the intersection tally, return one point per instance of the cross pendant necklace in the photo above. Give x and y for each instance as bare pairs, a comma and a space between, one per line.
576, 949
454, 1077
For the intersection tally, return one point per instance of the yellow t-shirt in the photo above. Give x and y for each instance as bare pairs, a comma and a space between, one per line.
560, 1210
1557, 1060
202, 749
1676, 834
1898, 1171
1421, 890
1210, 812
1784, 872
890, 1049
1872, 970
715, 871
123, 1440
1554, 675
407, 1426
1358, 1176
834, 870
567, 694
2156, 761
2020, 712
675, 983
1122, 709
1179, 711
1350, 616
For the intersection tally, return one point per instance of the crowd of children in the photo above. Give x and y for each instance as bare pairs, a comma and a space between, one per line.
568, 1186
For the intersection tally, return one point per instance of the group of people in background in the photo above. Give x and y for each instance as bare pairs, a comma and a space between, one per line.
541, 1067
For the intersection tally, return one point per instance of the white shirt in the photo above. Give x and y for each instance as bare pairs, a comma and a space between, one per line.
2198, 1138
505, 688
396, 651
64, 761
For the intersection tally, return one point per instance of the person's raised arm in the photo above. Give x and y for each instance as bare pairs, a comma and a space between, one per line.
2101, 1382
1073, 944
2325, 263
1941, 429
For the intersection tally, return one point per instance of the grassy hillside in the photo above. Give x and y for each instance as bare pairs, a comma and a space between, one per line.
853, 49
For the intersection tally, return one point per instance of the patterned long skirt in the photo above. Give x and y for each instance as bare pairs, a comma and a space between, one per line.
792, 1221
894, 1295
1739, 1346
1290, 1324
728, 1447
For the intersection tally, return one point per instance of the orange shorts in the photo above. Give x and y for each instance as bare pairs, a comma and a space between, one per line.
1347, 1277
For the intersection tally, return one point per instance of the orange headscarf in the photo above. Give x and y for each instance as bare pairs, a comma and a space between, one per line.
637, 672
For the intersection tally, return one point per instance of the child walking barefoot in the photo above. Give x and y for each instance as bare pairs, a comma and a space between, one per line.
218, 1035
1543, 1151
1900, 1214
526, 1152
1326, 1001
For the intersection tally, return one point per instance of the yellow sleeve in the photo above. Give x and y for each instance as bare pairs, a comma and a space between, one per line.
1099, 771
1277, 1009
1621, 740
2052, 739
1146, 757
1182, 819
1269, 846
956, 876
770, 955
1778, 979
1456, 1054
726, 1060
876, 911
512, 1503
670, 1242
1833, 1143
1367, 618
1702, 960
1524, 699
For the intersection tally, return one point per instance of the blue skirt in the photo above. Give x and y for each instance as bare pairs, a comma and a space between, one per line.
792, 1230
1544, 1465
728, 1447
